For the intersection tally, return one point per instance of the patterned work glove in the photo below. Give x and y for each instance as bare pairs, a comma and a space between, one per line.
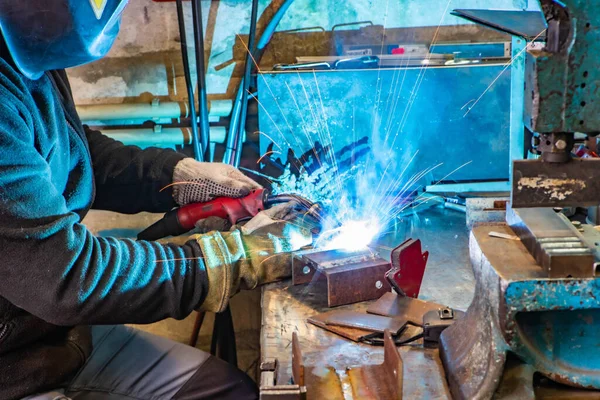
199, 182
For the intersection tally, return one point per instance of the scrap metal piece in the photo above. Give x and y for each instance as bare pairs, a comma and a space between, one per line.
553, 241
392, 305
408, 268
354, 334
543, 184
384, 381
549, 323
360, 320
320, 382
377, 382
351, 277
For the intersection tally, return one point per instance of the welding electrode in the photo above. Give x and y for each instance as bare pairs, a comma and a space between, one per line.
183, 219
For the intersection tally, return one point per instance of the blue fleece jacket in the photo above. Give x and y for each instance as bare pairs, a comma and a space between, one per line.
54, 274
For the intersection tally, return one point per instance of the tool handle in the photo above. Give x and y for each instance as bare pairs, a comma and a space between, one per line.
183, 219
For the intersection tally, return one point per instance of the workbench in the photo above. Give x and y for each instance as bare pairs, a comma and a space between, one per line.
448, 280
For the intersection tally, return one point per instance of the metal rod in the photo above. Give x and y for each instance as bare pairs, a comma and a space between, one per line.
241, 95
164, 137
196, 330
201, 75
198, 155
270, 29
234, 146
148, 110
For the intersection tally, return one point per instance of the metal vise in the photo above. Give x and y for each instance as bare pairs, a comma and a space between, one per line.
539, 297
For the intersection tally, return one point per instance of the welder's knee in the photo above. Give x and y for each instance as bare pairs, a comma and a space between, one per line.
216, 379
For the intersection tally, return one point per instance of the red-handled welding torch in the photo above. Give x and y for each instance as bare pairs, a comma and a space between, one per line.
183, 219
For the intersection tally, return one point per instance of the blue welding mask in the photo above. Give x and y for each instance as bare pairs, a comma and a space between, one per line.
43, 35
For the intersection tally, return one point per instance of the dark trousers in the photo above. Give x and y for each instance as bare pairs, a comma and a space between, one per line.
130, 364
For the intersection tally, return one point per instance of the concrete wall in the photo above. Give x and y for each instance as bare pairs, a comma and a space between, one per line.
145, 61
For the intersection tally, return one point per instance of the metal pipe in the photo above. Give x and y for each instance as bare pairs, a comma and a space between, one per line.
165, 137
148, 111
236, 117
199, 155
270, 29
234, 146
201, 77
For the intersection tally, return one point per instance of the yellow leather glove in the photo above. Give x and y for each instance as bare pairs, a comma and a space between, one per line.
235, 261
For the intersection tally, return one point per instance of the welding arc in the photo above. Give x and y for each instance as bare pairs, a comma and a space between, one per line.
198, 154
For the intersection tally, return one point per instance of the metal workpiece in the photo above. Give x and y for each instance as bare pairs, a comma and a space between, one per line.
544, 184
380, 381
553, 241
549, 323
351, 276
562, 80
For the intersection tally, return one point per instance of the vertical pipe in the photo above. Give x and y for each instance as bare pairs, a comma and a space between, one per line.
201, 74
241, 94
198, 154
233, 152
517, 102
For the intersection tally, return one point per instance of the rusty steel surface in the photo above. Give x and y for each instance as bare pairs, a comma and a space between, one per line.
553, 241
361, 320
369, 382
356, 282
413, 310
351, 276
448, 280
543, 184
379, 382
552, 324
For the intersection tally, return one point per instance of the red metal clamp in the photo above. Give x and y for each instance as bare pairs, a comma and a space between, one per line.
408, 268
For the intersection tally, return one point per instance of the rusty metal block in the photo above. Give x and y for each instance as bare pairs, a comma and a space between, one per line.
351, 277
544, 184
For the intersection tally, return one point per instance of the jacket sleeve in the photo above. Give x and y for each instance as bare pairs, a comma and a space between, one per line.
55, 269
128, 179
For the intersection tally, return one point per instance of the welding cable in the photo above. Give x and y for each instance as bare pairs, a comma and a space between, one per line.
272, 25
201, 78
198, 154
237, 124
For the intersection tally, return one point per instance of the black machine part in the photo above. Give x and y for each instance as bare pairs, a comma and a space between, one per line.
434, 323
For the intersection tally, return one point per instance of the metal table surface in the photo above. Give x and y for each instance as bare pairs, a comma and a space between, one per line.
448, 280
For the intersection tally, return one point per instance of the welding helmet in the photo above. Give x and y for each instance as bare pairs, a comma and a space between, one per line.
43, 35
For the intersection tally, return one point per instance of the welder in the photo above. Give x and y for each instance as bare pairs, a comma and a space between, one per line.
64, 293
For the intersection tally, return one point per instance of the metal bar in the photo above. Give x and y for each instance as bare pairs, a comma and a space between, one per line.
196, 329
236, 151
544, 184
553, 242
201, 78
148, 111
164, 138
517, 101
188, 81
493, 186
